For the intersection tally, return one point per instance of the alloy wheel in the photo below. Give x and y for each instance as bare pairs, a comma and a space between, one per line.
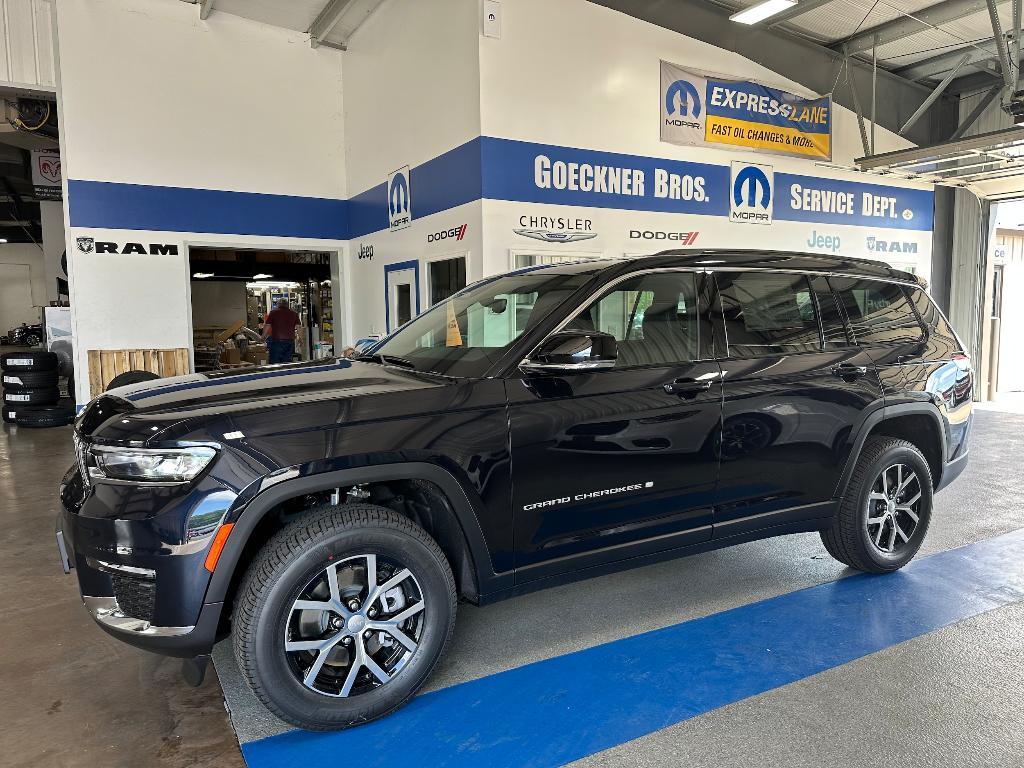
894, 508
354, 626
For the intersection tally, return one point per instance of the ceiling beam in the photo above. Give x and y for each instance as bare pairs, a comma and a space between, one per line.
936, 65
934, 95
904, 26
326, 20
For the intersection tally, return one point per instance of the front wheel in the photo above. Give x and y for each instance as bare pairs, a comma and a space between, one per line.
343, 615
884, 516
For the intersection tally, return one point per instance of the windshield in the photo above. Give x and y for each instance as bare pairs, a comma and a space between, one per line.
464, 335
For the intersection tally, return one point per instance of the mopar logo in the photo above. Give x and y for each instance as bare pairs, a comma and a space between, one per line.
751, 199
683, 238
688, 97
455, 233
399, 199
877, 245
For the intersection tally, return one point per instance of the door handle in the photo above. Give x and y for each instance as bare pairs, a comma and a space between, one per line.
849, 371
688, 387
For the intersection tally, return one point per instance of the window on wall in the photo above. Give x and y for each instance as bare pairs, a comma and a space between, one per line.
879, 313
447, 277
767, 313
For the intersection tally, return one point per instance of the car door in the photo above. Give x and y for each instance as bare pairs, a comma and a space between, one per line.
795, 386
615, 463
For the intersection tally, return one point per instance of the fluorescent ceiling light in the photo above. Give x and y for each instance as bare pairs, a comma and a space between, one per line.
761, 11
201, 275
261, 276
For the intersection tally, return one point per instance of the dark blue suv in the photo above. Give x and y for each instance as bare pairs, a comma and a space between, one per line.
548, 424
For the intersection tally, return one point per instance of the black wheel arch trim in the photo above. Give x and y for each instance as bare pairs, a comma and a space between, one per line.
884, 413
248, 517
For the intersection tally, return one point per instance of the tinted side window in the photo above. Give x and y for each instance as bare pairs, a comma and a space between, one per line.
654, 318
768, 313
940, 333
879, 313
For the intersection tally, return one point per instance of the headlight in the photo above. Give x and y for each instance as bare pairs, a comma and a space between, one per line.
150, 465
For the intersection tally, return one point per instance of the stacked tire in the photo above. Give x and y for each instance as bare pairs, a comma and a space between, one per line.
31, 391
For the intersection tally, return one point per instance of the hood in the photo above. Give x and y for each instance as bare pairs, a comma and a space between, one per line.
150, 406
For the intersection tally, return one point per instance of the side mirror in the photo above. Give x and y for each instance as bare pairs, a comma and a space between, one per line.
573, 350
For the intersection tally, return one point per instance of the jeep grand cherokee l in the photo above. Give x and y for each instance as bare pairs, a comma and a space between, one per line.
548, 424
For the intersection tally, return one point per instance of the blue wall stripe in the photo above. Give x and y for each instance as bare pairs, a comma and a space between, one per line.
562, 709
446, 181
482, 168
110, 205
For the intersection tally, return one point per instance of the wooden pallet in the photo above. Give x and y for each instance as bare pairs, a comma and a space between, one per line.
105, 364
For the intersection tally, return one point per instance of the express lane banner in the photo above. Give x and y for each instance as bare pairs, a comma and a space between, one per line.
701, 110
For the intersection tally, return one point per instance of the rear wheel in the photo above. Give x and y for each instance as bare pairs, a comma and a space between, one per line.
343, 615
883, 519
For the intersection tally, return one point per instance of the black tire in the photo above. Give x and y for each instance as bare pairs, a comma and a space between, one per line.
130, 377
285, 567
29, 360
15, 380
848, 539
10, 412
45, 396
44, 416
32, 340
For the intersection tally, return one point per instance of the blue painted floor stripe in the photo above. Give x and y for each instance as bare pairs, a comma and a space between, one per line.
553, 712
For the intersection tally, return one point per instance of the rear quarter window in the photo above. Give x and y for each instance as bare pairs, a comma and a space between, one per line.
941, 338
879, 312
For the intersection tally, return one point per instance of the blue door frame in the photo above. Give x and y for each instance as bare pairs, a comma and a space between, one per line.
399, 267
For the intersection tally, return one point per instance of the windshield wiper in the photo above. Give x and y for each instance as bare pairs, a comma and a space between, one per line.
401, 362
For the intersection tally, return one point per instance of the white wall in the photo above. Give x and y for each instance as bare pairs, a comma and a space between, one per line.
412, 88
30, 256
152, 95
412, 93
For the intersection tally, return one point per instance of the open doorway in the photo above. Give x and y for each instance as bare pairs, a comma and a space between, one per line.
234, 289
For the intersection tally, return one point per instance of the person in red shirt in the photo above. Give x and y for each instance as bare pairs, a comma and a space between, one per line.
279, 330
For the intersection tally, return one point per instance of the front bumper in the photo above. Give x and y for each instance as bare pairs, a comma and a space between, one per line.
140, 575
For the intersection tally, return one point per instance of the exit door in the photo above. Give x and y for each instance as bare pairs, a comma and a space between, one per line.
402, 289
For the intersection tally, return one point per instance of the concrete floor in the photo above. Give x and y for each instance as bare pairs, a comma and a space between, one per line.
70, 695
950, 697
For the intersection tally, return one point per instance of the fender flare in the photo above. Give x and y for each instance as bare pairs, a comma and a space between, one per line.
254, 511
875, 418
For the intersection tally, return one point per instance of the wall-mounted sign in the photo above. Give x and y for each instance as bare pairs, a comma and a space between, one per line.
556, 229
46, 174
698, 109
399, 199
92, 245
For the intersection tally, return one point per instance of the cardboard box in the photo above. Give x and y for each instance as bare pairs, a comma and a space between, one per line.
231, 355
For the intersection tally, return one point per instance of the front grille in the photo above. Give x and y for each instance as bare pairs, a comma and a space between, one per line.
135, 597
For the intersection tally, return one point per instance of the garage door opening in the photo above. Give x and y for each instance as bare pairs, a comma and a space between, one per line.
234, 289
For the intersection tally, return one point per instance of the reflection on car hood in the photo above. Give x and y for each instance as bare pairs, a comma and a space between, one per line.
265, 387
